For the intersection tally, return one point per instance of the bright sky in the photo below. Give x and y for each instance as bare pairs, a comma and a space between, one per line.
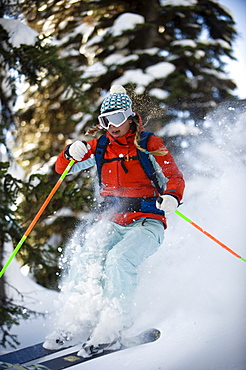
237, 69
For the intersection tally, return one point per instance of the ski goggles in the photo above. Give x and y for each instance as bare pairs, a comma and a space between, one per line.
115, 118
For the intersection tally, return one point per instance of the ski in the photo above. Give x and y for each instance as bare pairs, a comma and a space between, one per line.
27, 354
62, 362
71, 359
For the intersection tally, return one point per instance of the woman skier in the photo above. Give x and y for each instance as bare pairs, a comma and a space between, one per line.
134, 169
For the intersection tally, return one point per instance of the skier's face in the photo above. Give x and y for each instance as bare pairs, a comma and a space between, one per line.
121, 130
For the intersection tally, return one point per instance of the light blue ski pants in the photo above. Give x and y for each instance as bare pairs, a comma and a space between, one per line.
106, 265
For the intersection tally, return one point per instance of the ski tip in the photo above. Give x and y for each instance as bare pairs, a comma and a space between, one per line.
153, 334
148, 336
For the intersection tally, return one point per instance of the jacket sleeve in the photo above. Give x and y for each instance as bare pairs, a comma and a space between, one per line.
87, 162
175, 181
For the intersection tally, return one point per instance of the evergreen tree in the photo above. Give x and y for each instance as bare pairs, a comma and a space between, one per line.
169, 56
10, 311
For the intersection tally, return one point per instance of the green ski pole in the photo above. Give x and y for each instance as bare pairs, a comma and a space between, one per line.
209, 235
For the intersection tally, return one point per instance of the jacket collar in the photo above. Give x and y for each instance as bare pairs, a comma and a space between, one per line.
123, 140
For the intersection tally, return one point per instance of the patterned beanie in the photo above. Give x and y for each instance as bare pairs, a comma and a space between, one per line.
117, 99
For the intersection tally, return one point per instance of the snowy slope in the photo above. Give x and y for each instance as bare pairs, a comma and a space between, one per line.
192, 289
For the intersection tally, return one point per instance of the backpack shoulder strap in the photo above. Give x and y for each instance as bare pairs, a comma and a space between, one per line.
99, 155
145, 160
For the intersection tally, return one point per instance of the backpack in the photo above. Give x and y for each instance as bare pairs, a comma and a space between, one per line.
143, 158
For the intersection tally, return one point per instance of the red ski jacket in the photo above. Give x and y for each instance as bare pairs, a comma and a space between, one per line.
133, 182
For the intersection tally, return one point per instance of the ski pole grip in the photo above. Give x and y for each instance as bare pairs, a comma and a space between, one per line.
159, 200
